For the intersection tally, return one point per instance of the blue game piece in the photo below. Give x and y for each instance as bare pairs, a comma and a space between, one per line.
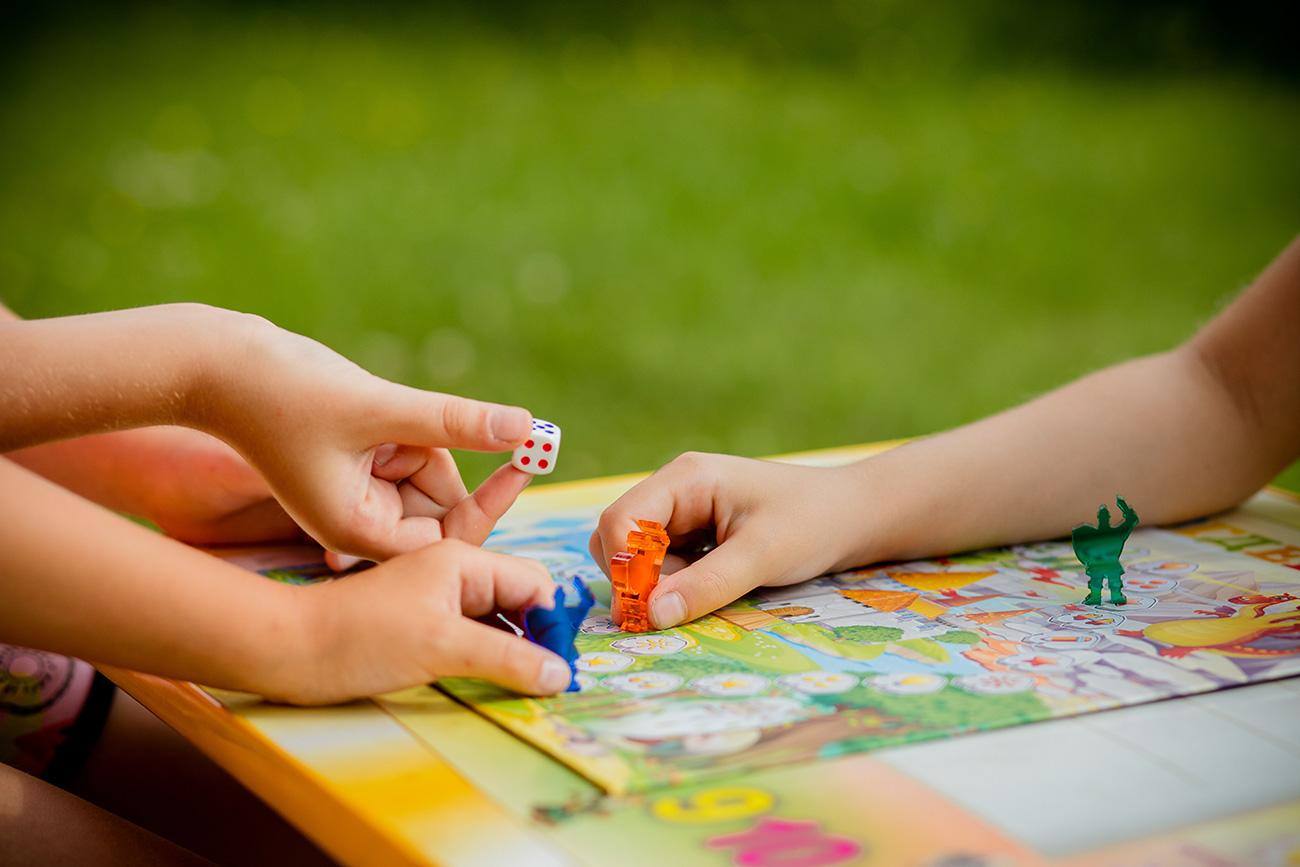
555, 628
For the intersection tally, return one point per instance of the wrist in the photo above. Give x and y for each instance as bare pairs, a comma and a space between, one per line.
287, 658
875, 524
226, 346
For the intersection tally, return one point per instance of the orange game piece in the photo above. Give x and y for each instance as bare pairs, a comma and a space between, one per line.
634, 573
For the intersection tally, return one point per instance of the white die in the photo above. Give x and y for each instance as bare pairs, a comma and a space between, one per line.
538, 453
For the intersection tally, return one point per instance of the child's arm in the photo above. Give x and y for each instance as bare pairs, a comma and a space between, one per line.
194, 486
77, 579
320, 429
1180, 434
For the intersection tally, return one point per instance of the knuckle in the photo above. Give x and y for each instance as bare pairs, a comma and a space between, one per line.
458, 417
712, 586
440, 647
449, 415
687, 460
608, 523
453, 549
493, 660
435, 559
477, 596
694, 464
521, 668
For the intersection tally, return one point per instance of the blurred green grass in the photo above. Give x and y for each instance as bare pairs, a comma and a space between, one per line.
656, 237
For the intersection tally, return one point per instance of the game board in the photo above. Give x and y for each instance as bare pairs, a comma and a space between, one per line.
415, 777
900, 653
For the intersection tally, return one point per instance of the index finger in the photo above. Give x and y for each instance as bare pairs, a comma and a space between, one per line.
476, 650
491, 581
680, 495
410, 416
472, 519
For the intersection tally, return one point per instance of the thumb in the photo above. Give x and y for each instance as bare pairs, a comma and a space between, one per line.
721, 576
472, 519
411, 416
504, 659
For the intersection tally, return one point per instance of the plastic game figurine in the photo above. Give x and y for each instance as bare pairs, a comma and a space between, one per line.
1098, 549
537, 454
634, 573
555, 628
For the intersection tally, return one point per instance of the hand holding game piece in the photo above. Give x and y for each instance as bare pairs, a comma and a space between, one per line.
362, 464
634, 574
773, 524
412, 619
555, 628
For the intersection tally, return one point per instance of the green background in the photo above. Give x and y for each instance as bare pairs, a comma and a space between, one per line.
756, 227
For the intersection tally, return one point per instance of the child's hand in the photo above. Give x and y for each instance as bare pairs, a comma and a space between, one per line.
359, 462
773, 524
82, 580
409, 621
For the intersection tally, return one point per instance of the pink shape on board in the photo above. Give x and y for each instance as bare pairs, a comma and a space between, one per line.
780, 843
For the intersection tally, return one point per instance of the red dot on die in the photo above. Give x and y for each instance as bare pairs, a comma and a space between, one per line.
546, 447
542, 463
528, 444
525, 460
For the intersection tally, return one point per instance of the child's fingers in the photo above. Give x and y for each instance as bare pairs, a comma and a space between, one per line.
434, 488
597, 549
492, 582
392, 462
440, 479
387, 519
719, 577
475, 650
680, 495
411, 533
340, 562
472, 519
428, 418
339, 503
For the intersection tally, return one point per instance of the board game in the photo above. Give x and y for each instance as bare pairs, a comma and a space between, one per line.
417, 777
899, 653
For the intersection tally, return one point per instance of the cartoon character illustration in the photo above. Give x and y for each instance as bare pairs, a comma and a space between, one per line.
1098, 549
1235, 635
1261, 603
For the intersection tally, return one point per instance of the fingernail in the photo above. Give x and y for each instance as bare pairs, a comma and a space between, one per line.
344, 562
555, 676
509, 424
668, 610
384, 454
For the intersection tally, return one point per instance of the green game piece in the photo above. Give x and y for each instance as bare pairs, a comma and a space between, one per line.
1098, 549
